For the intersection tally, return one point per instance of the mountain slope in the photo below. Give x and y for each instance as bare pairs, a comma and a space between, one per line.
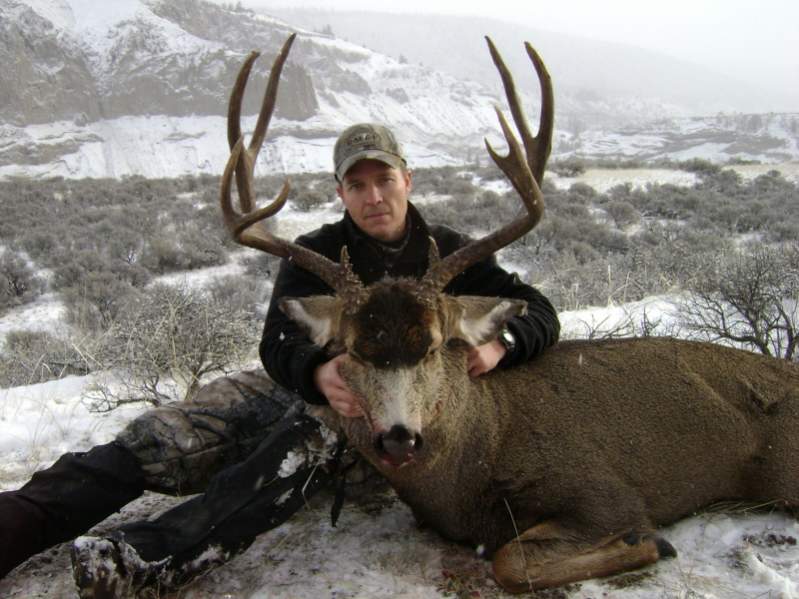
140, 87
165, 69
587, 70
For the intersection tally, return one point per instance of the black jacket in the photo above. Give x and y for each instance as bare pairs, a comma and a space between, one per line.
290, 357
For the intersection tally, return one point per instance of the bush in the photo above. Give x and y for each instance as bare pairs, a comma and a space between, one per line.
623, 213
568, 167
750, 298
309, 199
97, 300
19, 283
164, 343
30, 357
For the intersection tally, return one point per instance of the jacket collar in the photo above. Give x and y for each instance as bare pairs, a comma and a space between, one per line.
368, 259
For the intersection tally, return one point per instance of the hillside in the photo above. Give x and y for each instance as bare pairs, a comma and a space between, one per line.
139, 87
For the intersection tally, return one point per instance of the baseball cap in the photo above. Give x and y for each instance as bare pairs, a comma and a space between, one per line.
366, 141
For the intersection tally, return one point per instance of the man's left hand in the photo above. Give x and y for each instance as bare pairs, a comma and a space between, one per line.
484, 358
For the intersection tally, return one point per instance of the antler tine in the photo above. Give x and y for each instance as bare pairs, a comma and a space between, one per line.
541, 145
246, 227
246, 166
536, 147
519, 167
237, 223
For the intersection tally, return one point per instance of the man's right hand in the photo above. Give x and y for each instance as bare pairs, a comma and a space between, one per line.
329, 382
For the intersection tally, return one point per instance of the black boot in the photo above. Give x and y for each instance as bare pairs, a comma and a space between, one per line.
65, 500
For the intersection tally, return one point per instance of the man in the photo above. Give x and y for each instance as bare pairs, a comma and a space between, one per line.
385, 235
253, 490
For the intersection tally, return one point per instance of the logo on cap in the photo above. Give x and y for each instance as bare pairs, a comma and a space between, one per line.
366, 141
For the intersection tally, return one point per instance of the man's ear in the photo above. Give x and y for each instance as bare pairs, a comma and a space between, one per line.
316, 314
480, 318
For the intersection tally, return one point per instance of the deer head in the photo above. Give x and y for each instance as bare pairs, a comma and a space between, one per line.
405, 338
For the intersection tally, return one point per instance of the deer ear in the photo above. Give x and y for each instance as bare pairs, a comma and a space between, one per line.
481, 318
316, 314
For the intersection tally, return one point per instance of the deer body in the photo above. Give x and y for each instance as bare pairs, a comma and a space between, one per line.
692, 424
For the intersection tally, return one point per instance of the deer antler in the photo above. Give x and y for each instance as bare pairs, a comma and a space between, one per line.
246, 227
525, 172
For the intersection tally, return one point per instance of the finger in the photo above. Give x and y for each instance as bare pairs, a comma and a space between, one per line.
354, 408
346, 406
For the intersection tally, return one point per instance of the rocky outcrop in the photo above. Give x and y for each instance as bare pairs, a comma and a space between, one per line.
44, 77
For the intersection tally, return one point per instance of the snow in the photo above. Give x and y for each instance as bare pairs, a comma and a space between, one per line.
621, 318
603, 180
164, 146
44, 314
290, 464
58, 12
40, 422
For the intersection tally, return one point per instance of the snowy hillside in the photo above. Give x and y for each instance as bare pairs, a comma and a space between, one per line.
139, 87
156, 78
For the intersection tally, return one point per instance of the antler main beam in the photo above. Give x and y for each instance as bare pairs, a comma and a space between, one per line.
525, 171
246, 227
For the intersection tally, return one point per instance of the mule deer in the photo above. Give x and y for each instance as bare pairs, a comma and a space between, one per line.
561, 469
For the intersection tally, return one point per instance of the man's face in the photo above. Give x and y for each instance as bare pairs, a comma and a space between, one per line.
376, 197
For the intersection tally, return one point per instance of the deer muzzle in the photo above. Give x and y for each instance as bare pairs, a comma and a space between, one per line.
398, 446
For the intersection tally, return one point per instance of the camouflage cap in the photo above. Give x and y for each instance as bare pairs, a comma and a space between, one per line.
366, 141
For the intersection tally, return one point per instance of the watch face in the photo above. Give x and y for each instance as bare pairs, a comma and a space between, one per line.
507, 339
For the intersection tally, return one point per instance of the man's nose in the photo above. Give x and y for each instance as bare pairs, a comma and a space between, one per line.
373, 195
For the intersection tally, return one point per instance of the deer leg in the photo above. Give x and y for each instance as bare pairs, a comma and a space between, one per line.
546, 555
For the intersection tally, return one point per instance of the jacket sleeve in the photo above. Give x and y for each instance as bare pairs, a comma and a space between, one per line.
288, 355
535, 331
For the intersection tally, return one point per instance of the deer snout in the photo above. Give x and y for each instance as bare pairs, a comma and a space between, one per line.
398, 445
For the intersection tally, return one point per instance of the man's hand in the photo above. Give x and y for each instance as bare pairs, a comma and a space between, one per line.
484, 358
329, 382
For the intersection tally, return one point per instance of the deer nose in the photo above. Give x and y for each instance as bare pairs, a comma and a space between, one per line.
398, 445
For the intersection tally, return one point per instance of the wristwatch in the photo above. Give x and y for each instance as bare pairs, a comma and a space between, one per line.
507, 339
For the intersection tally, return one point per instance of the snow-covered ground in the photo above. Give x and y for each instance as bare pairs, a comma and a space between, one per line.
604, 179
377, 551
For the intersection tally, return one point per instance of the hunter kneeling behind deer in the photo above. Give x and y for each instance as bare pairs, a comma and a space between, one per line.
564, 467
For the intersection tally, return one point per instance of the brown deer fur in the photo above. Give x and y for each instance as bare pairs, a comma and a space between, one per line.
591, 446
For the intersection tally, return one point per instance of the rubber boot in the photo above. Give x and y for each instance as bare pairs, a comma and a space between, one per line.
65, 500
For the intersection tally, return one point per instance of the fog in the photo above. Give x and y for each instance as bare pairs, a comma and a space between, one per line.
752, 42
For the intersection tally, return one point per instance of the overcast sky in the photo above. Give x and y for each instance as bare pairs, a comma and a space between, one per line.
760, 37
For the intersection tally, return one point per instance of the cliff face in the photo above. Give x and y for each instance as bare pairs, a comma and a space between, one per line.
45, 76
142, 65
